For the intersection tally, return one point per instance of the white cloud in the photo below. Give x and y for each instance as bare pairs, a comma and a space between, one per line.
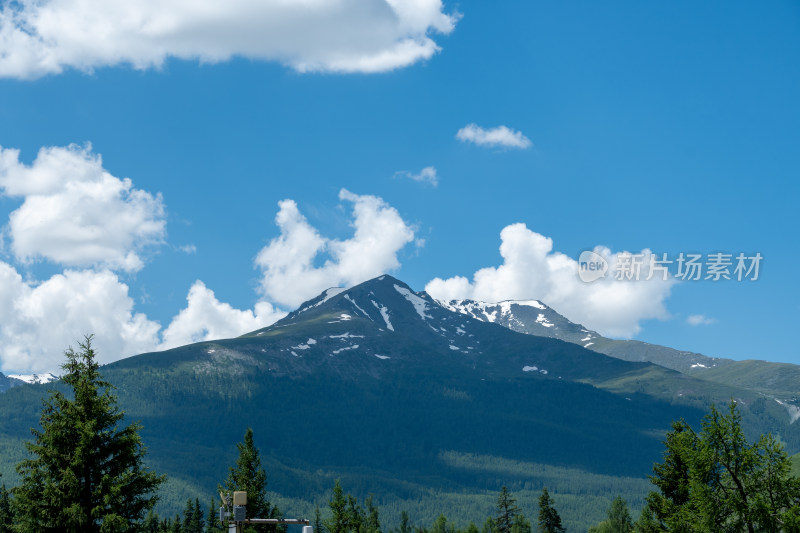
426, 175
501, 136
38, 322
48, 36
288, 262
206, 318
700, 320
532, 270
74, 212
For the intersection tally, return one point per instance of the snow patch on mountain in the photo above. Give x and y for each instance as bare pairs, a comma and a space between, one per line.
344, 317
794, 411
340, 350
347, 297
327, 295
541, 319
384, 313
34, 378
346, 335
382, 356
304, 346
420, 305
534, 369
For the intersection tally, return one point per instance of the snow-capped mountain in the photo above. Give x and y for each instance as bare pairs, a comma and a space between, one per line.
534, 317
34, 378
386, 321
525, 316
383, 383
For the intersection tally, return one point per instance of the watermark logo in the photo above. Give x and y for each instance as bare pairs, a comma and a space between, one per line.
683, 267
591, 266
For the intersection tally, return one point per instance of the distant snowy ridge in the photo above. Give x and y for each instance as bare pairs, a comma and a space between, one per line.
34, 378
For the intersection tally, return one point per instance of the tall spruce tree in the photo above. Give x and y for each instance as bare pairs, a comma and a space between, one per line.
248, 475
372, 522
318, 527
212, 519
339, 521
86, 471
549, 520
6, 511
506, 511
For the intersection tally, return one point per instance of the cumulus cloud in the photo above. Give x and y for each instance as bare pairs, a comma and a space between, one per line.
426, 175
75, 213
38, 322
289, 272
501, 136
532, 270
700, 320
206, 318
47, 36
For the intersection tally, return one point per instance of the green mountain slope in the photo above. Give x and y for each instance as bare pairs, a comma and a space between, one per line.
405, 399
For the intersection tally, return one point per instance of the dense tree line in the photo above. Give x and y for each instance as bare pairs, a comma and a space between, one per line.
85, 473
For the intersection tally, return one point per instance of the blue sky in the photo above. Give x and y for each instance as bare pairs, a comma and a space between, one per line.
663, 127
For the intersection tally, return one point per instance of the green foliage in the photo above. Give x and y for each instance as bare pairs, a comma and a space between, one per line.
339, 522
6, 511
619, 519
549, 520
506, 511
193, 517
347, 516
249, 475
212, 519
717, 481
521, 524
85, 472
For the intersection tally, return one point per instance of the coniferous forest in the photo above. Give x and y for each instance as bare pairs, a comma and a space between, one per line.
85, 471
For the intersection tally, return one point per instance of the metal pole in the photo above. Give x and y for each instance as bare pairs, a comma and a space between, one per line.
278, 521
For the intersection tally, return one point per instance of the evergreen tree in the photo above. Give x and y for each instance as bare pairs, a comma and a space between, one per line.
175, 526
717, 481
671, 508
318, 527
151, 524
355, 515
405, 527
338, 522
506, 511
248, 475
440, 525
6, 511
472, 528
521, 524
618, 521
490, 526
212, 519
372, 522
86, 473
549, 519
193, 517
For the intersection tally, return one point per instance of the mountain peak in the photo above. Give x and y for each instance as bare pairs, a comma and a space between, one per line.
525, 316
